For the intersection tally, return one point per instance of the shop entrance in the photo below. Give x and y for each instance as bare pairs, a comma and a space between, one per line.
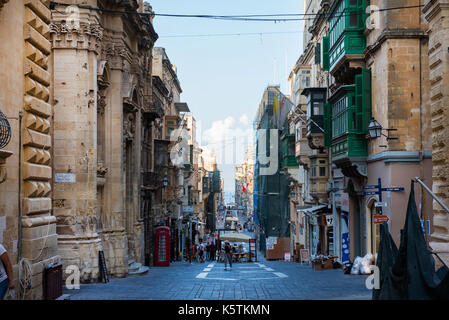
375, 230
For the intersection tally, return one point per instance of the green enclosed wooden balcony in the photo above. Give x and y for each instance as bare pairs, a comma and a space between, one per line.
347, 115
347, 21
289, 150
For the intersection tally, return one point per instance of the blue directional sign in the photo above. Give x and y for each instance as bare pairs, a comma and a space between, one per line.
393, 189
370, 193
370, 187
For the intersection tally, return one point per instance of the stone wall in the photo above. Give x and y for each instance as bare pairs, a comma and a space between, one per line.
26, 193
436, 12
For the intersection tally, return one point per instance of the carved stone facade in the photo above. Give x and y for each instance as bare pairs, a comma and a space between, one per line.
27, 228
102, 74
436, 13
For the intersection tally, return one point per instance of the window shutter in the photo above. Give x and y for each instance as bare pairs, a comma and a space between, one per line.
366, 85
359, 103
318, 53
363, 100
326, 61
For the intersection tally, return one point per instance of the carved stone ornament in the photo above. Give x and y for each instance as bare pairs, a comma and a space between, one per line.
101, 103
101, 171
82, 35
128, 127
2, 3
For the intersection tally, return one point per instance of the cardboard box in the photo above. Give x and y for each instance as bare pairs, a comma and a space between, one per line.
317, 264
328, 264
281, 246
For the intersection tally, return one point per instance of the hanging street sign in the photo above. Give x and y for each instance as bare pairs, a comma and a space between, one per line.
380, 204
370, 193
380, 219
393, 189
370, 187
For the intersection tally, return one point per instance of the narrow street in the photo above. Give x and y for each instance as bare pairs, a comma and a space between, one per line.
262, 280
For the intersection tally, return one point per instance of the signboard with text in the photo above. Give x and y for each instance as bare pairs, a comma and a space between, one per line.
65, 178
380, 219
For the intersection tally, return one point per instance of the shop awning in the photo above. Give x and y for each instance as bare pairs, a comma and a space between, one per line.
314, 209
234, 236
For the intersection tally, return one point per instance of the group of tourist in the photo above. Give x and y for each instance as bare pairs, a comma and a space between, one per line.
204, 251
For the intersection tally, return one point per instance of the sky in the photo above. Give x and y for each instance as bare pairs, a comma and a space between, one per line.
223, 77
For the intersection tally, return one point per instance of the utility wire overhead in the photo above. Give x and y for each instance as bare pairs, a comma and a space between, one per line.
229, 34
249, 17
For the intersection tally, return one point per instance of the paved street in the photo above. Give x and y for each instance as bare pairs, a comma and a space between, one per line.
271, 280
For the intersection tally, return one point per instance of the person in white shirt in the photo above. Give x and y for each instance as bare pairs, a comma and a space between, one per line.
6, 277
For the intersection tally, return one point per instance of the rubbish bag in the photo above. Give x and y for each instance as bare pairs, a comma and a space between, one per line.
357, 265
365, 265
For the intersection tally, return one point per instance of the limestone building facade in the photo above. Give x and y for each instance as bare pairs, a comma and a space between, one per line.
27, 226
436, 14
102, 96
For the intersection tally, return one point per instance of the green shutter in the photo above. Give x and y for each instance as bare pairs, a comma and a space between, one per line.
363, 100
327, 125
318, 53
359, 103
366, 85
326, 61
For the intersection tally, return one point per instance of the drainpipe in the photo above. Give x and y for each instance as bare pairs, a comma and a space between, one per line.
19, 200
421, 157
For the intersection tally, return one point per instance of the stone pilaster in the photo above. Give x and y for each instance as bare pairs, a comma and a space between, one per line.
75, 50
39, 239
436, 12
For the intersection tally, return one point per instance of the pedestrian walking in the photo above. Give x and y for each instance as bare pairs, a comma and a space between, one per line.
228, 256
207, 251
194, 252
201, 251
212, 251
6, 276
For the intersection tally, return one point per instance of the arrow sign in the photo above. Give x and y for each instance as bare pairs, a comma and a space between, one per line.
380, 219
393, 189
380, 204
370, 187
370, 193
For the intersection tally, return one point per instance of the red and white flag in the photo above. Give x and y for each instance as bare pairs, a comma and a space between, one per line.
245, 186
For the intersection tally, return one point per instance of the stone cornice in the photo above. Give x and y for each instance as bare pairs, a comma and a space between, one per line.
400, 156
2, 3
394, 34
87, 36
320, 18
433, 7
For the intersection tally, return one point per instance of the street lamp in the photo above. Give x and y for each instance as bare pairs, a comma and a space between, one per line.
375, 130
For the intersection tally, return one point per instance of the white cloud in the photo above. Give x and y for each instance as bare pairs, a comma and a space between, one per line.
228, 141
244, 120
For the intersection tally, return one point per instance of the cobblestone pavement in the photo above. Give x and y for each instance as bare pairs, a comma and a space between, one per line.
262, 280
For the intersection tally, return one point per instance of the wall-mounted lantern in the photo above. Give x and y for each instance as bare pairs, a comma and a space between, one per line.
375, 130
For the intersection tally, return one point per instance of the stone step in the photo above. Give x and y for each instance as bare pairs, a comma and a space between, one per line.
135, 266
141, 271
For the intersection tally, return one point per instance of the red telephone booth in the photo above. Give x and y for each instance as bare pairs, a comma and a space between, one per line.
162, 247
